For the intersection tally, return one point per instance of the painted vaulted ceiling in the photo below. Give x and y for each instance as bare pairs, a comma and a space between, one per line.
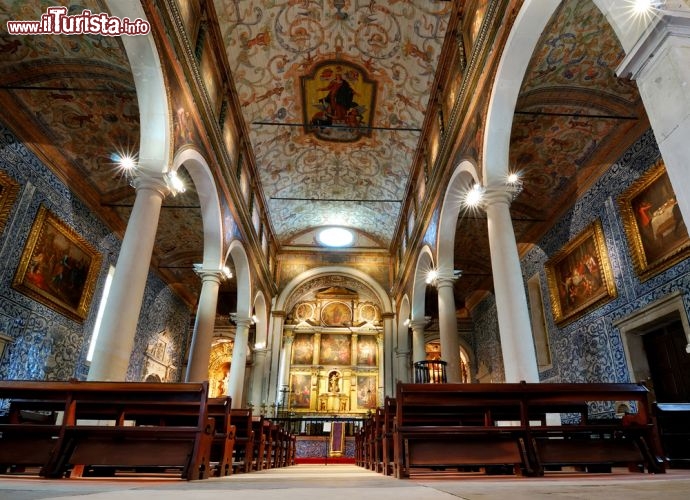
326, 157
333, 94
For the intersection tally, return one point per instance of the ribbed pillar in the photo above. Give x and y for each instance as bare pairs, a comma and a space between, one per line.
448, 328
239, 362
119, 324
200, 350
517, 346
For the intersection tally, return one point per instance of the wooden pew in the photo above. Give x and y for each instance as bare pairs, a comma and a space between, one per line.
449, 425
244, 439
387, 435
673, 420
596, 444
453, 425
108, 425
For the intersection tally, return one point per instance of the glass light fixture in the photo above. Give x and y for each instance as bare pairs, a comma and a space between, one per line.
335, 237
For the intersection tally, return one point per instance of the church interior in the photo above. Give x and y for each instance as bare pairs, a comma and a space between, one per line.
308, 202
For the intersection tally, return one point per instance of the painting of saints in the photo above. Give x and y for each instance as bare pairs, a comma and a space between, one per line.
303, 350
335, 350
300, 390
366, 350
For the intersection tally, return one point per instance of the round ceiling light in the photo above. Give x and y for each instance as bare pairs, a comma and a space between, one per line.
335, 237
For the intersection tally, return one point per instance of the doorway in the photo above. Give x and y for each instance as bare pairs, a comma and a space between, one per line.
669, 363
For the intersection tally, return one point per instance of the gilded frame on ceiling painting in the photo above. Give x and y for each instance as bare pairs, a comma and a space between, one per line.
579, 276
657, 235
58, 268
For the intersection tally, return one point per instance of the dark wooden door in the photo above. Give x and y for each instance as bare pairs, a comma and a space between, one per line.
669, 363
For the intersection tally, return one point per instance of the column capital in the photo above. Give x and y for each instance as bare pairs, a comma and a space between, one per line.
288, 338
496, 193
418, 325
278, 314
664, 30
241, 322
388, 315
445, 281
151, 182
213, 275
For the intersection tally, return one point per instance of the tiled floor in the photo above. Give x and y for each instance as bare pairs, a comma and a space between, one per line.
347, 482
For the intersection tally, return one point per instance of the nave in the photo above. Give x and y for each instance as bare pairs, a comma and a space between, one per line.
348, 482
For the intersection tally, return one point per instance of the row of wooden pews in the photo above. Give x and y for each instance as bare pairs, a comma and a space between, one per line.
74, 429
523, 428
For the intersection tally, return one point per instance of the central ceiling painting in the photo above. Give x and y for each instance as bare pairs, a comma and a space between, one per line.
334, 94
342, 100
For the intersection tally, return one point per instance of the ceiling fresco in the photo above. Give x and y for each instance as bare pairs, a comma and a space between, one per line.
324, 159
570, 109
78, 92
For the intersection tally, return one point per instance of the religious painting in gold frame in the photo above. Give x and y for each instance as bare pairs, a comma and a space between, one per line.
8, 193
656, 233
579, 276
366, 391
338, 101
367, 348
58, 268
300, 390
335, 349
303, 349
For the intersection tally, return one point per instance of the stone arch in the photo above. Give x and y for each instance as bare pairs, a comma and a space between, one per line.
523, 38
463, 177
425, 263
260, 317
286, 294
403, 340
242, 276
211, 216
147, 71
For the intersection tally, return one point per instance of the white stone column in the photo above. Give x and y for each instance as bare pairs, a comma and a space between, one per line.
276, 329
200, 350
284, 370
403, 364
379, 394
448, 328
258, 377
386, 356
119, 323
418, 344
239, 362
517, 346
660, 65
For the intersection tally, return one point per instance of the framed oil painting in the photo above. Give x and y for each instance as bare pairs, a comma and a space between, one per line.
579, 276
336, 314
8, 193
58, 268
338, 101
303, 349
335, 349
366, 391
366, 350
300, 390
656, 233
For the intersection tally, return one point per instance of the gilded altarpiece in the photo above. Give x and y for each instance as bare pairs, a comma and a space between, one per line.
335, 354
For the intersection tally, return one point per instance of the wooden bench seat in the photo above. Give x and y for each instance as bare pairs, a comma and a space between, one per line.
108, 426
456, 425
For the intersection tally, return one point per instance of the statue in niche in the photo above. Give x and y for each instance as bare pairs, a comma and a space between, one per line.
334, 382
